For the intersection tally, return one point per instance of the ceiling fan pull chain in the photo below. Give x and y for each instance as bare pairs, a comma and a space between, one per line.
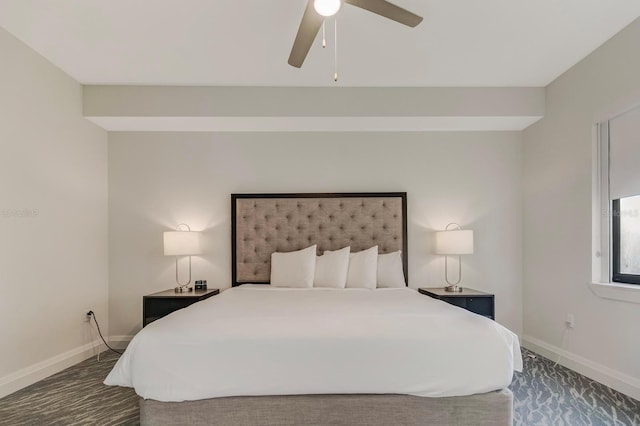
324, 39
335, 57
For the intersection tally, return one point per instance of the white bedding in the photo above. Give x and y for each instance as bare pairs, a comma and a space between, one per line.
259, 340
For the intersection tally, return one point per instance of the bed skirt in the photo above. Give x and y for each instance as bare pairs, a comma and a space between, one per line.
492, 408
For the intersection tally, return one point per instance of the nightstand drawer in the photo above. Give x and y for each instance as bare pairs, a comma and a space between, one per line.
456, 301
481, 305
161, 307
474, 301
158, 305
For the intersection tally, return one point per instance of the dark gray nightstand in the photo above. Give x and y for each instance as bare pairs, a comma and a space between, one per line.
475, 301
158, 305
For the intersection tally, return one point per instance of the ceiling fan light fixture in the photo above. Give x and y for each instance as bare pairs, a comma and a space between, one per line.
327, 7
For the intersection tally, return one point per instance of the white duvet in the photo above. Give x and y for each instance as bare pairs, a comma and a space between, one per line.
258, 340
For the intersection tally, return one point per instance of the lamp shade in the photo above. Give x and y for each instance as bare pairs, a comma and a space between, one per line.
182, 243
454, 242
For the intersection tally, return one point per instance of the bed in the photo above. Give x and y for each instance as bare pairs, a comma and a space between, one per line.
258, 355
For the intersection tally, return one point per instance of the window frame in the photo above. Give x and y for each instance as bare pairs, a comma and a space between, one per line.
601, 283
616, 276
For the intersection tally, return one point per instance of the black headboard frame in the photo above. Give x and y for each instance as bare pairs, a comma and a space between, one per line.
264, 223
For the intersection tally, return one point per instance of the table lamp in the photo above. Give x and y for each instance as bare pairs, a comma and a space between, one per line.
182, 243
454, 242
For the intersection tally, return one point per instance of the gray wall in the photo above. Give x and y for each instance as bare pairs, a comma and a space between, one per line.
558, 219
53, 218
157, 180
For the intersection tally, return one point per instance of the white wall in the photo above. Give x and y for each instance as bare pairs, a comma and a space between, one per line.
605, 343
53, 218
157, 180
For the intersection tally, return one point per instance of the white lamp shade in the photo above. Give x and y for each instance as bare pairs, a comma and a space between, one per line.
454, 242
182, 243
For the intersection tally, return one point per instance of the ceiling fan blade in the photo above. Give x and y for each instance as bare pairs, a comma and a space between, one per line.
309, 27
388, 10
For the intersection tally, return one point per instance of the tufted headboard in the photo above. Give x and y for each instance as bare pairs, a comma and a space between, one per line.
265, 223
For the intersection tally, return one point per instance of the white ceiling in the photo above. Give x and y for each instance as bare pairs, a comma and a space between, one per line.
247, 42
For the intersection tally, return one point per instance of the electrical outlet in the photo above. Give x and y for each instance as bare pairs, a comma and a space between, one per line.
570, 321
87, 315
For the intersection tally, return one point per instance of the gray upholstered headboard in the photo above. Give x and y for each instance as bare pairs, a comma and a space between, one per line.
265, 223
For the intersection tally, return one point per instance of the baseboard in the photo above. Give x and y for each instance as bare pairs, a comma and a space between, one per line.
607, 376
36, 372
120, 342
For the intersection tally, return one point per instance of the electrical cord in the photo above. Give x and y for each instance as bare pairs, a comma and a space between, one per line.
100, 333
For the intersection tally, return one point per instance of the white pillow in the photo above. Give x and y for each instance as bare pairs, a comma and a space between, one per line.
390, 273
293, 269
363, 269
332, 268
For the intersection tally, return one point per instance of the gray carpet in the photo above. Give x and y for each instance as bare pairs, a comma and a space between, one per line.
544, 395
75, 396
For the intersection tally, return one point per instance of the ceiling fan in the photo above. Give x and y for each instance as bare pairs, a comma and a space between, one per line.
318, 10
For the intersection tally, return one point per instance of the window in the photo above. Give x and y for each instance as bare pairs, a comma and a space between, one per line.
626, 240
619, 153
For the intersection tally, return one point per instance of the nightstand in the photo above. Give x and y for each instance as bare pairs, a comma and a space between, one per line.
475, 301
158, 305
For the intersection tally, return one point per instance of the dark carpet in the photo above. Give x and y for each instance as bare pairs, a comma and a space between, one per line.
75, 396
544, 394
549, 394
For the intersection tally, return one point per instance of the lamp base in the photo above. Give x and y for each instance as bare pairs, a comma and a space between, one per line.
182, 289
453, 289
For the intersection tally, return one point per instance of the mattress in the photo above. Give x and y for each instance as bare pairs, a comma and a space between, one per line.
258, 340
